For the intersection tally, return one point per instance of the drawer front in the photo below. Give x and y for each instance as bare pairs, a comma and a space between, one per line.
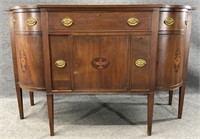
100, 21
27, 21
173, 20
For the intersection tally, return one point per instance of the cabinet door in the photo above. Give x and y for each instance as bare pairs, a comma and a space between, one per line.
85, 49
140, 50
100, 62
60, 52
170, 59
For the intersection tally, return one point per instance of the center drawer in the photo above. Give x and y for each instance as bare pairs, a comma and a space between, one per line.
67, 21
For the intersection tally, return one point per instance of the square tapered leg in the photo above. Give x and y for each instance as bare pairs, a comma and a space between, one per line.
50, 113
181, 100
170, 97
150, 113
31, 94
20, 101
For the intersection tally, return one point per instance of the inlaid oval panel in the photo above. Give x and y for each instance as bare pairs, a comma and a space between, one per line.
177, 60
100, 63
23, 60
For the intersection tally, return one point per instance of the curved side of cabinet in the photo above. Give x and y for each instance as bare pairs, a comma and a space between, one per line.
28, 50
171, 49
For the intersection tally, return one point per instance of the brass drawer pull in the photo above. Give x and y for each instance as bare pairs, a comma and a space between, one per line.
60, 63
67, 22
132, 21
140, 63
169, 21
31, 21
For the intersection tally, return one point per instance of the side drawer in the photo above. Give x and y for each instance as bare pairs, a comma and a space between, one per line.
173, 20
100, 21
27, 21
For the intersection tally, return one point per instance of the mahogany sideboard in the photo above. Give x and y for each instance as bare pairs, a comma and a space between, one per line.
100, 49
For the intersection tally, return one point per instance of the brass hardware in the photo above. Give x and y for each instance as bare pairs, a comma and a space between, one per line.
60, 63
140, 63
132, 21
67, 22
31, 22
169, 21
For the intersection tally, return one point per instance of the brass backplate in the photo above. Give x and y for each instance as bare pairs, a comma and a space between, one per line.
132, 21
169, 21
140, 63
31, 21
67, 21
60, 63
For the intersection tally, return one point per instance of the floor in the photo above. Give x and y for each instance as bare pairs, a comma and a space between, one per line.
101, 117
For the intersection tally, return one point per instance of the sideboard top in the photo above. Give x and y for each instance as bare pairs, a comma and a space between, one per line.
103, 6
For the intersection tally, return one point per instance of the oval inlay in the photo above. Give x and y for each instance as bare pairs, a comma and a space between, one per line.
177, 60
23, 60
100, 63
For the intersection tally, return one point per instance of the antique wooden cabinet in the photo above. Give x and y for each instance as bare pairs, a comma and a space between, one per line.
100, 49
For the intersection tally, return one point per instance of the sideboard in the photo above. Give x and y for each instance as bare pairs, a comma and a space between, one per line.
100, 49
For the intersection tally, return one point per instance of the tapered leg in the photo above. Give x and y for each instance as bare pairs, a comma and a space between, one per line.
50, 113
20, 101
181, 100
31, 94
150, 113
170, 97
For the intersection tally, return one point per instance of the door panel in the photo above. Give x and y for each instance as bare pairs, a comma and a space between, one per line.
115, 49
85, 49
100, 62
140, 49
60, 50
170, 59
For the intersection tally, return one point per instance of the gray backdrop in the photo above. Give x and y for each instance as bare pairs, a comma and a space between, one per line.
7, 87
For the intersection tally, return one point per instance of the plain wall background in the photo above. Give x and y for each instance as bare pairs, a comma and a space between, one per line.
7, 87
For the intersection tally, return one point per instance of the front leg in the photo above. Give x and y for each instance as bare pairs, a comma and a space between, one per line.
20, 101
181, 100
150, 113
31, 94
50, 113
170, 97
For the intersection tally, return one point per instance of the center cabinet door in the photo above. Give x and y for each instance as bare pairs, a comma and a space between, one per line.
100, 62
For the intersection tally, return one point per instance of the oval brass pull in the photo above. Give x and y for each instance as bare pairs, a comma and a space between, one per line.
140, 63
169, 21
60, 63
67, 21
132, 21
31, 21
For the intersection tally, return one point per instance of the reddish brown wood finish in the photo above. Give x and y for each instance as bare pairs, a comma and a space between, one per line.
60, 50
150, 113
90, 21
31, 94
87, 48
50, 104
168, 51
140, 49
179, 17
99, 50
170, 97
21, 19
30, 60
